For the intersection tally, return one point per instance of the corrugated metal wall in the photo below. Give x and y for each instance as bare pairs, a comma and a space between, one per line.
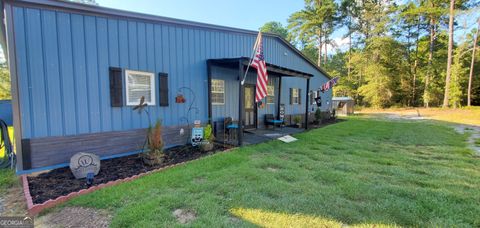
6, 112
63, 60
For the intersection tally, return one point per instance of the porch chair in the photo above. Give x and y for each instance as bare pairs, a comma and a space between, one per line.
270, 120
229, 127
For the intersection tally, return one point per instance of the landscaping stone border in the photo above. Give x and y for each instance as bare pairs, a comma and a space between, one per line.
35, 209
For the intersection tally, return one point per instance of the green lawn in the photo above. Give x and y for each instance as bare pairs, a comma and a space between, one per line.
360, 172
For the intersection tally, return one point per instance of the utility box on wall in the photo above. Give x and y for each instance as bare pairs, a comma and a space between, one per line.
6, 111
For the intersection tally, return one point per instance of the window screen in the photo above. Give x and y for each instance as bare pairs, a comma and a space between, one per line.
218, 92
271, 93
140, 84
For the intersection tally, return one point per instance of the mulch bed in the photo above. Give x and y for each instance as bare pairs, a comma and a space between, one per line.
60, 182
324, 123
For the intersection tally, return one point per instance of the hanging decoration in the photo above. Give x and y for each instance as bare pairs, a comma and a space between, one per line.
191, 106
328, 85
261, 104
318, 101
180, 99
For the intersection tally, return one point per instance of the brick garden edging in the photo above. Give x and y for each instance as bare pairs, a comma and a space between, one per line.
34, 209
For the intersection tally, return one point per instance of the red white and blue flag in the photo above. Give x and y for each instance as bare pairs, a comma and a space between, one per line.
328, 85
258, 62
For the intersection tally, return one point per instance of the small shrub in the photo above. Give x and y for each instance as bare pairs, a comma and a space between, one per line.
154, 155
208, 138
297, 119
208, 133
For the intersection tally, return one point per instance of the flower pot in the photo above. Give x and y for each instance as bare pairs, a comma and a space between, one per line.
207, 147
151, 159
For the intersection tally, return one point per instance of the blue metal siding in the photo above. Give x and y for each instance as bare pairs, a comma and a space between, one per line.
6, 112
230, 108
63, 60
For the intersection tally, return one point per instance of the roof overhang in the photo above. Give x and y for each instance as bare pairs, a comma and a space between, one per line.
272, 69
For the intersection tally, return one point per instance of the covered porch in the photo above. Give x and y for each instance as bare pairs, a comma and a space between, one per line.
238, 103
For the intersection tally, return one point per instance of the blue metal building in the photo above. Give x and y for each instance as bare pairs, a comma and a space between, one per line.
77, 70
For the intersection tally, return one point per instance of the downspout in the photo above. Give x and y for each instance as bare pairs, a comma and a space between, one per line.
209, 90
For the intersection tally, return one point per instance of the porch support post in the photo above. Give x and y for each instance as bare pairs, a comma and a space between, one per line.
209, 89
278, 98
241, 89
307, 101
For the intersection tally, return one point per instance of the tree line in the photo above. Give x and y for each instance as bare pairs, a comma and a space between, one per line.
398, 54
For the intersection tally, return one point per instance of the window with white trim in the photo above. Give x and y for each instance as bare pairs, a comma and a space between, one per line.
313, 95
271, 93
295, 96
139, 84
218, 92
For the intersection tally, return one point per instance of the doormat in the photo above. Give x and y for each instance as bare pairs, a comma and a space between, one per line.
287, 139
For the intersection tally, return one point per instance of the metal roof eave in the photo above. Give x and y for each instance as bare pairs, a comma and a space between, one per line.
284, 71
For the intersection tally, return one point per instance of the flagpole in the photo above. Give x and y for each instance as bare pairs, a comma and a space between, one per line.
255, 46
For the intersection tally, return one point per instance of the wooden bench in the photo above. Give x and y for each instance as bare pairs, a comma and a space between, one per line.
270, 120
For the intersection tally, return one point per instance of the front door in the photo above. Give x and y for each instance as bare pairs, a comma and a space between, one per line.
250, 110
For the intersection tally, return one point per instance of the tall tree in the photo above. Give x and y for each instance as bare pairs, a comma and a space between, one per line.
312, 25
433, 10
409, 29
470, 78
450, 50
275, 27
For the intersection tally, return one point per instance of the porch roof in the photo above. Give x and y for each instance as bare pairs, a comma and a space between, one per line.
271, 68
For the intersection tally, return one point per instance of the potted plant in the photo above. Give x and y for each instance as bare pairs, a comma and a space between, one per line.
208, 137
297, 119
154, 154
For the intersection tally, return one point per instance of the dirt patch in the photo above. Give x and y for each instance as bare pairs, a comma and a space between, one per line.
184, 216
12, 202
474, 136
59, 182
75, 217
272, 169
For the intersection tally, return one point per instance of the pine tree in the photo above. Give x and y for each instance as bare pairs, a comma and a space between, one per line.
314, 24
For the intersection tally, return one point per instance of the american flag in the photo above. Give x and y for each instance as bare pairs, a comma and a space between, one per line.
259, 63
328, 85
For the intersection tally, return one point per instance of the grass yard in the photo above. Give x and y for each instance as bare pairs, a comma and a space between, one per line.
360, 172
